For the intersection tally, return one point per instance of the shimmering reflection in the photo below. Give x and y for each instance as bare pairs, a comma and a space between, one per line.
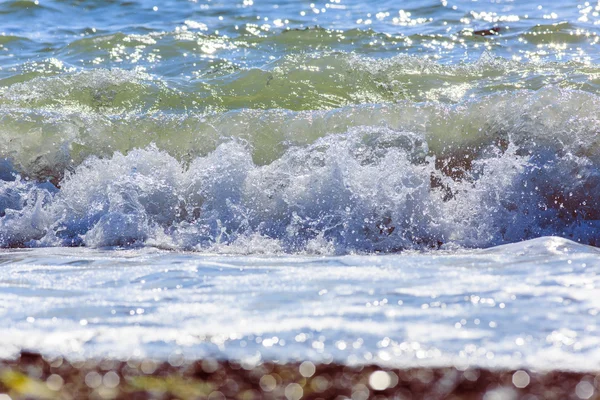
185, 39
225, 127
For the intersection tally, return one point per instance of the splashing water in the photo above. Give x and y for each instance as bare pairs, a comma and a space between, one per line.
235, 172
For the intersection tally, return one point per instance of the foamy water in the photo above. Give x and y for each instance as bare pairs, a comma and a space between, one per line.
532, 304
413, 183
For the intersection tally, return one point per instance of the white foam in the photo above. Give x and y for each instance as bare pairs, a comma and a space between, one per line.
527, 305
370, 189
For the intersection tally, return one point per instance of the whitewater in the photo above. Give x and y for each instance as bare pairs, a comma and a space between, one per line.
348, 182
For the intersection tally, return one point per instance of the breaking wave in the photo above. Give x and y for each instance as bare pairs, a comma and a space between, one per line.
327, 152
380, 178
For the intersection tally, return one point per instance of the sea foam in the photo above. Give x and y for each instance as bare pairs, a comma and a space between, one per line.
368, 189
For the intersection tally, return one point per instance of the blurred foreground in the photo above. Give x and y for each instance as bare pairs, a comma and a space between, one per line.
33, 376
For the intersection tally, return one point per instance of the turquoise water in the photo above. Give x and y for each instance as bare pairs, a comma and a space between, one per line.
344, 151
331, 128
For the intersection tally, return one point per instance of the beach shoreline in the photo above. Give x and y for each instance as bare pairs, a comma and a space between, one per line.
32, 375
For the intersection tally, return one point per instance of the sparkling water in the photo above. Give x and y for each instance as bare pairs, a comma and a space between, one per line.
403, 183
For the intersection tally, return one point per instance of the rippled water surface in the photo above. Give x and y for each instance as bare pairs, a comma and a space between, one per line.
311, 128
288, 179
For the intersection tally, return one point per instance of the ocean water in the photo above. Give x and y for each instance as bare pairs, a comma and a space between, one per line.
533, 304
393, 182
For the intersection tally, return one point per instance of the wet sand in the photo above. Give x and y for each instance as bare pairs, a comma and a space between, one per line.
34, 376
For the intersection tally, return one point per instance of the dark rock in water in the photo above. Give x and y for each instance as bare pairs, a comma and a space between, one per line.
488, 32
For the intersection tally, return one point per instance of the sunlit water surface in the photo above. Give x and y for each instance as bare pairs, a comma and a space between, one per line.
268, 179
532, 304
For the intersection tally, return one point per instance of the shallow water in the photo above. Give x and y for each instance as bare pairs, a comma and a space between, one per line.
532, 304
280, 179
